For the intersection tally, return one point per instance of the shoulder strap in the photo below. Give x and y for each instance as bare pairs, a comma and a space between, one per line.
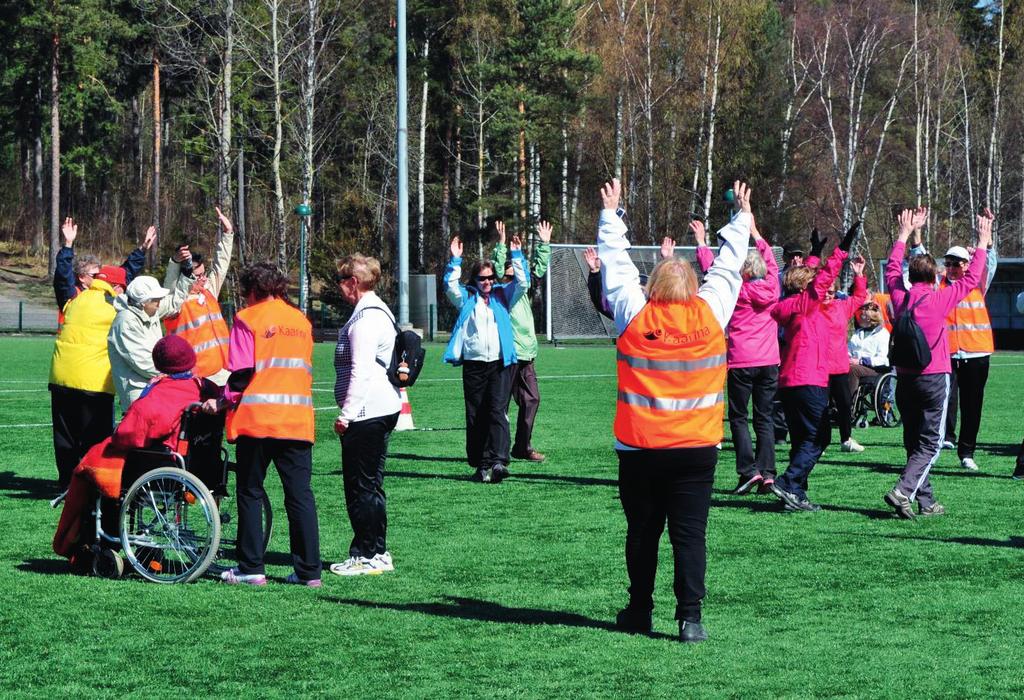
386, 313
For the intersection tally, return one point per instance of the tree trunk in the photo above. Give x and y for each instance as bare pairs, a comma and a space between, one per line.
446, 185
994, 134
309, 103
157, 151
39, 246
577, 162
967, 142
648, 108
54, 154
224, 170
563, 208
422, 163
275, 161
712, 115
240, 207
619, 135
522, 167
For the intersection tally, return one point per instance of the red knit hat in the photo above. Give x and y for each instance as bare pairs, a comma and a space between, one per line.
112, 274
173, 354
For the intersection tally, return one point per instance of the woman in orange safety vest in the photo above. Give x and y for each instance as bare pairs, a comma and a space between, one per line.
668, 419
270, 395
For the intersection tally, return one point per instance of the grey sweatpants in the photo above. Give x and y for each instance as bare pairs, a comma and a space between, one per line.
922, 400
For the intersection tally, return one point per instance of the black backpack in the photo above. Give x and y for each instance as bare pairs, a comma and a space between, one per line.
909, 346
409, 351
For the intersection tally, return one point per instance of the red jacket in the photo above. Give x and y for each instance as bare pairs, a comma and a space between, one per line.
838, 313
156, 416
805, 344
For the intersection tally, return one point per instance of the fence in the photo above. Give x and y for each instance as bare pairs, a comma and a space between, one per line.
22, 317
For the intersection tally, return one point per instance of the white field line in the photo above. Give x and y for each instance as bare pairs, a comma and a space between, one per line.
26, 425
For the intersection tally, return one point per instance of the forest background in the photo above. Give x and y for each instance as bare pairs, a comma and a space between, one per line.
126, 113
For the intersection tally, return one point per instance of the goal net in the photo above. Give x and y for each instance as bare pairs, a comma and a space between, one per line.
570, 314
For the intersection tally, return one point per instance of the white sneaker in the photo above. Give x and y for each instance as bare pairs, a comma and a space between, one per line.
969, 464
361, 566
947, 445
851, 445
384, 561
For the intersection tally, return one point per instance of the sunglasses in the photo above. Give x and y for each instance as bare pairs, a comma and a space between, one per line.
955, 262
339, 278
486, 278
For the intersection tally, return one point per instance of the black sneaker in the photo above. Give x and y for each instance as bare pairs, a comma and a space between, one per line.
499, 472
802, 505
634, 621
692, 632
484, 475
747, 483
1018, 473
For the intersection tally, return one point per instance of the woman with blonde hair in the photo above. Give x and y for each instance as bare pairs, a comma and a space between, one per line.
753, 359
668, 419
868, 346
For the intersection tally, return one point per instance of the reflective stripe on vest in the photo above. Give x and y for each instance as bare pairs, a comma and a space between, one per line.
671, 362
278, 403
203, 326
198, 321
969, 328
209, 344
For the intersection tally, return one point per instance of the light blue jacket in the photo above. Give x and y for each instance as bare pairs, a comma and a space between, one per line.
464, 298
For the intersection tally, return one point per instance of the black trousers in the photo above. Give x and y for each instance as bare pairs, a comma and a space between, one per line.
761, 383
81, 419
364, 450
294, 462
526, 394
968, 382
839, 391
810, 432
672, 485
487, 387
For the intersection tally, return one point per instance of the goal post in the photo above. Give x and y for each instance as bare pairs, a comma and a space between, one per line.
569, 313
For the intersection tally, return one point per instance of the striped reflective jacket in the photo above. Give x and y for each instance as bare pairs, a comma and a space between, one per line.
202, 324
969, 326
278, 403
672, 367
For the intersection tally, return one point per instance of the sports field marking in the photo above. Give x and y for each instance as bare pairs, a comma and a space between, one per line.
459, 379
27, 425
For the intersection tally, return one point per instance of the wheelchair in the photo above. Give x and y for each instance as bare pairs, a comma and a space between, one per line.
876, 396
172, 523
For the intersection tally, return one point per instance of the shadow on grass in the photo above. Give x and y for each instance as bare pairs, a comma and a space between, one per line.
1000, 449
1011, 542
774, 506
486, 611
28, 487
424, 458
889, 468
46, 567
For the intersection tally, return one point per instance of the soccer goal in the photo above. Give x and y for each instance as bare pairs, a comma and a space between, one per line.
570, 315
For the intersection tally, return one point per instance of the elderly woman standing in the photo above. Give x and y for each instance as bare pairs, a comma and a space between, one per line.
668, 418
369, 405
135, 333
753, 359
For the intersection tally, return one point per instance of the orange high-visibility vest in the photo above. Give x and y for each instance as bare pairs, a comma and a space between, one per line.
278, 403
672, 367
969, 326
203, 326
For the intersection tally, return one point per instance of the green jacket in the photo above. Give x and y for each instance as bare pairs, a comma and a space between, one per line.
522, 311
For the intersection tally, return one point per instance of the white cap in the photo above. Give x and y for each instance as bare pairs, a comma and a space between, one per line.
957, 251
145, 288
1020, 303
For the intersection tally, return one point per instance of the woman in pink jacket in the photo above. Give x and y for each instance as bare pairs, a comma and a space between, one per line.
753, 359
838, 313
803, 379
922, 393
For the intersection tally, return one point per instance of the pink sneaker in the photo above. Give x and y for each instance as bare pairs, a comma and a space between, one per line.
234, 576
293, 578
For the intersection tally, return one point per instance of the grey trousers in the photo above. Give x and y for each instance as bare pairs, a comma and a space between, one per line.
922, 400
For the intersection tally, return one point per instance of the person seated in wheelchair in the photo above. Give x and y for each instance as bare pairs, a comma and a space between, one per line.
151, 421
868, 346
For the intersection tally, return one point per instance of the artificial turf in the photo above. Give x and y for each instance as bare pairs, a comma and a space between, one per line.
509, 590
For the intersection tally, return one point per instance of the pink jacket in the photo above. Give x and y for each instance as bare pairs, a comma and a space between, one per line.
805, 349
839, 313
753, 335
931, 314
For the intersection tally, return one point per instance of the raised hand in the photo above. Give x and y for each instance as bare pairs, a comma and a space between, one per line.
857, 265
224, 221
668, 247
742, 192
150, 238
990, 218
544, 231
593, 262
754, 232
70, 231
920, 218
516, 243
499, 226
817, 243
456, 247
851, 233
699, 234
611, 193
905, 221
984, 226
181, 254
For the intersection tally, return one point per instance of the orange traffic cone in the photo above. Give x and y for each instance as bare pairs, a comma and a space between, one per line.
405, 416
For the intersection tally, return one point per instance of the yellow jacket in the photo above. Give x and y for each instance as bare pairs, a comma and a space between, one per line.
80, 358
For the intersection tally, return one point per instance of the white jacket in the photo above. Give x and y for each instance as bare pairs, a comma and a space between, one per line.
872, 344
132, 338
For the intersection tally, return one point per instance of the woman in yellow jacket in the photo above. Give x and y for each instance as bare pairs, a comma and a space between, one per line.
81, 384
668, 419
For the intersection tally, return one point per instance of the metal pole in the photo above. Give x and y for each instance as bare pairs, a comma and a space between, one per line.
403, 173
21, 315
303, 291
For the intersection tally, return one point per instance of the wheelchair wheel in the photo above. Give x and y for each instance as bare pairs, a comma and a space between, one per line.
106, 563
227, 555
170, 528
885, 401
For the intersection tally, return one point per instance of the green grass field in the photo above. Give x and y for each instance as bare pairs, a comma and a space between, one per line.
509, 590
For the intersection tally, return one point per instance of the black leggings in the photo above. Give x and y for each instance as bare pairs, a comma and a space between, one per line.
839, 390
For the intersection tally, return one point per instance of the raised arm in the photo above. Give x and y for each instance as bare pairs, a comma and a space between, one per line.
64, 269
136, 259
540, 256
619, 277
705, 258
498, 254
520, 283
453, 288
860, 287
827, 274
218, 272
722, 282
955, 292
763, 293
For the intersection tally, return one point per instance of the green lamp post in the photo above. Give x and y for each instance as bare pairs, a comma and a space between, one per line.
303, 211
